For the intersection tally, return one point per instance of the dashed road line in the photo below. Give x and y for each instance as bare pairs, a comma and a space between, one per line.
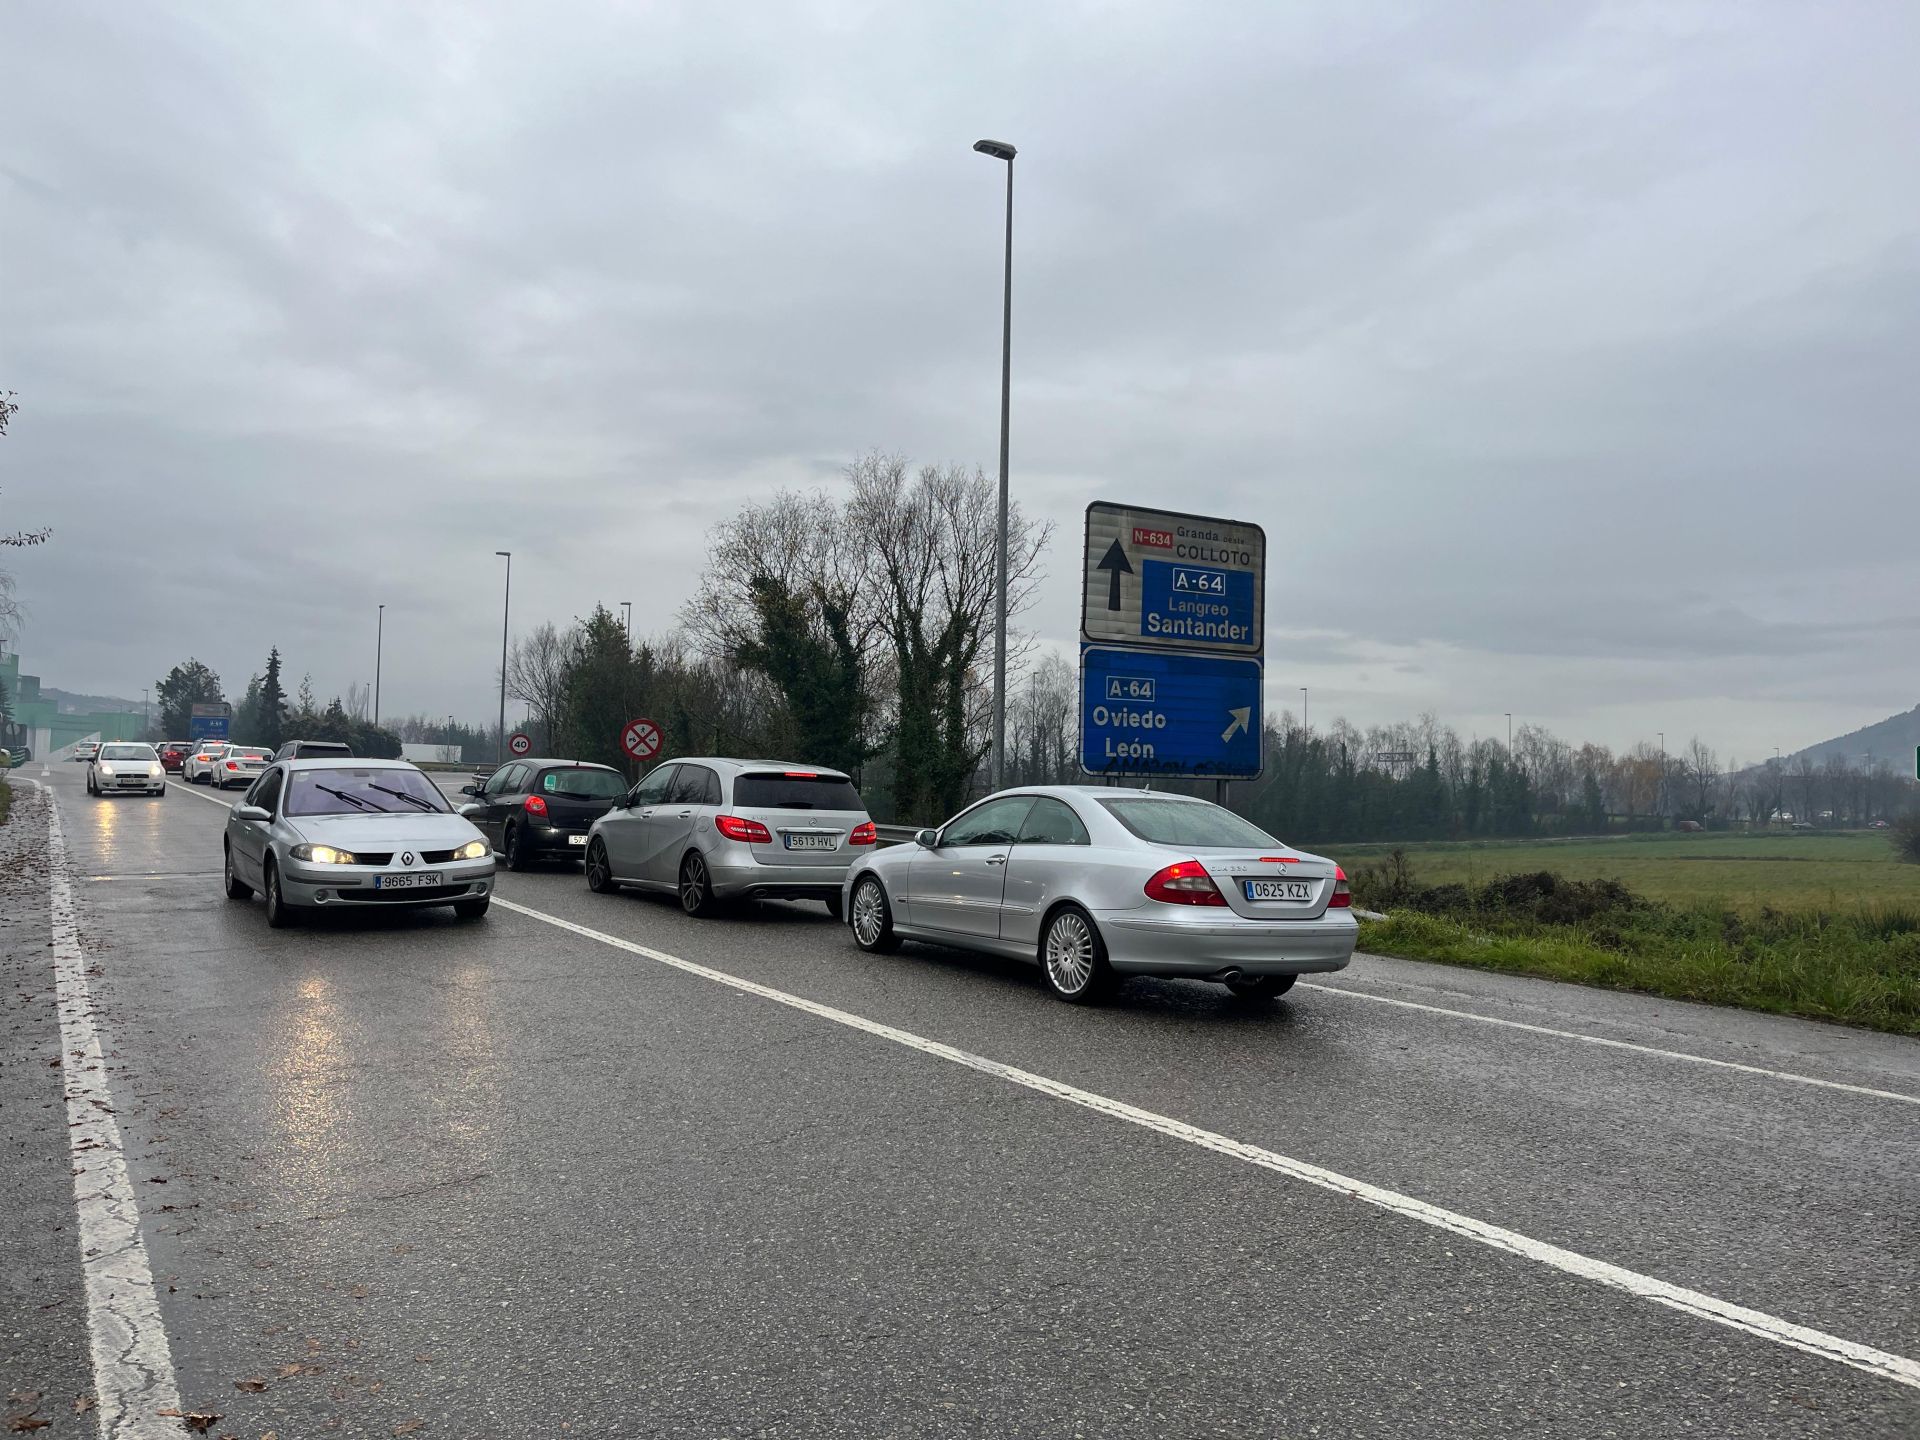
1790, 1076
132, 1362
1881, 1363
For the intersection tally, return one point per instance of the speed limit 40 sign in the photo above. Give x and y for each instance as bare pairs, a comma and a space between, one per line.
641, 739
520, 743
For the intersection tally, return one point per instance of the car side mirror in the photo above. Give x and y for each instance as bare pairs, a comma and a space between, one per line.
251, 812
469, 789
927, 839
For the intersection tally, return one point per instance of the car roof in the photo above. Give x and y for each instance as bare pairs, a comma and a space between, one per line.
757, 765
344, 762
573, 764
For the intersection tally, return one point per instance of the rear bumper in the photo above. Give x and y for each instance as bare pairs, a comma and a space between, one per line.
1143, 943
778, 882
555, 841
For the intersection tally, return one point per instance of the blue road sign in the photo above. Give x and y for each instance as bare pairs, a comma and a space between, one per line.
1196, 604
207, 727
1157, 712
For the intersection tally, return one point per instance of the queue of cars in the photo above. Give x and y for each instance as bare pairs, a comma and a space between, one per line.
1090, 884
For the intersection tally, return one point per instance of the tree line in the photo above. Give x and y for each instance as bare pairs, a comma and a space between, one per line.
264, 715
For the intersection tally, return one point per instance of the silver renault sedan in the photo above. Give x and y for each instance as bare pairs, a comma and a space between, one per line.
1094, 884
346, 834
709, 830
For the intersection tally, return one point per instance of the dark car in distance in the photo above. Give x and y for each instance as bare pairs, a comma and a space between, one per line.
173, 754
542, 809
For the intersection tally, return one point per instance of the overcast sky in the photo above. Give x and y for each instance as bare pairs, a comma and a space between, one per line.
1567, 353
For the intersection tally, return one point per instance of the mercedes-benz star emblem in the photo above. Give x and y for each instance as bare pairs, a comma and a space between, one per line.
406, 857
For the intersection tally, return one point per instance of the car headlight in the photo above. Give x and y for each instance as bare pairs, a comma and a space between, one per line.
106, 772
323, 855
154, 772
473, 850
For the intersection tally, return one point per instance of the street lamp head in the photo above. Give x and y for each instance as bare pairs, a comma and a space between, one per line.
998, 149
508, 553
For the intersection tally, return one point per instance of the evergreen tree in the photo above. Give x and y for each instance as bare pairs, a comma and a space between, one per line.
271, 719
1594, 804
188, 684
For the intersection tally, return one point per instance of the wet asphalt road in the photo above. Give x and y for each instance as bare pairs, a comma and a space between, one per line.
500, 1179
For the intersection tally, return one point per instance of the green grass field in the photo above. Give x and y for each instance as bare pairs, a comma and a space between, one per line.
1835, 871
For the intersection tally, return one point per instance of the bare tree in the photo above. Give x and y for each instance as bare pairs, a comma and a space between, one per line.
538, 671
1702, 770
1042, 725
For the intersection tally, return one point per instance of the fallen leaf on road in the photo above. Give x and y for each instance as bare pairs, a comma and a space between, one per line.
407, 1427
253, 1386
200, 1421
21, 1424
82, 1404
359, 1292
172, 1410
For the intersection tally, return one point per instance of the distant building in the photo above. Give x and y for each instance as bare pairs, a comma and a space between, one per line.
45, 728
438, 754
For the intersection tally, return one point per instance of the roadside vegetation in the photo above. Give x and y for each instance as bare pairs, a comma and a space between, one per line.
1859, 965
6, 799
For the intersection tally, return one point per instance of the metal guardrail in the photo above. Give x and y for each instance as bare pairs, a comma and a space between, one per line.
897, 834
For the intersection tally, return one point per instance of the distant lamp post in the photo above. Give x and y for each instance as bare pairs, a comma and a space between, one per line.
1000, 150
379, 646
626, 623
1509, 715
506, 605
1303, 711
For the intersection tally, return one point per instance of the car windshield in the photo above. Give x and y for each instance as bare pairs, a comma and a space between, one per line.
1186, 823
127, 752
362, 792
584, 784
796, 791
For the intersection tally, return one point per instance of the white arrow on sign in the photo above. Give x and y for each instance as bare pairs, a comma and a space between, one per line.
1242, 718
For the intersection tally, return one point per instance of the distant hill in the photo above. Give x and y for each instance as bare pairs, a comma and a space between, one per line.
70, 703
1891, 739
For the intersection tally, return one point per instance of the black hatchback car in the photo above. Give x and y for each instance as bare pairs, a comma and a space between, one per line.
541, 809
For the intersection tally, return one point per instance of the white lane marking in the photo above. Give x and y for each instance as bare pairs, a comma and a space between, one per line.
132, 1364
1882, 1363
1789, 1076
199, 794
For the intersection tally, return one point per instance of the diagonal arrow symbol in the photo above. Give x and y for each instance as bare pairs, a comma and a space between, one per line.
1242, 720
1116, 564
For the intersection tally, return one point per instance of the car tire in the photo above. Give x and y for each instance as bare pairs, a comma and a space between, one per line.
872, 918
696, 888
514, 849
280, 915
1261, 987
599, 869
471, 909
160, 792
1073, 957
237, 889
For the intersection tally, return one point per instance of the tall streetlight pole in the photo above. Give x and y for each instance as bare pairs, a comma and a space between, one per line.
1509, 715
1303, 711
1660, 802
379, 646
1000, 150
506, 606
626, 623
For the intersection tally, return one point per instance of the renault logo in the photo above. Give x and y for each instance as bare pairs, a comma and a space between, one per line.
406, 857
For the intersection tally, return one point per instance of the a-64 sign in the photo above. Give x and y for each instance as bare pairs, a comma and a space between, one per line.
1172, 581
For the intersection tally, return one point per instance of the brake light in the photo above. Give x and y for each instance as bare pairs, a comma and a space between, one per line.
800, 774
1341, 894
751, 831
536, 806
1186, 883
233, 765
865, 833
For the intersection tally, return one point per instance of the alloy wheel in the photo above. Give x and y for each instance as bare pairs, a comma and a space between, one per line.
1070, 953
869, 913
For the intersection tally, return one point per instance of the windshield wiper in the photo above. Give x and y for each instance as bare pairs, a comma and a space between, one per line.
351, 799
403, 795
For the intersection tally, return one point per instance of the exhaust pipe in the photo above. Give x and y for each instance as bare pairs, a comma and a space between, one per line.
1227, 977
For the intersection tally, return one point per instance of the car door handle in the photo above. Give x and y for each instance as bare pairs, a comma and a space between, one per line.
685, 813
996, 859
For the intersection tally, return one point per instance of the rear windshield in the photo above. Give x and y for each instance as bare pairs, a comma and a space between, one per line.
127, 752
253, 750
1186, 823
322, 747
362, 792
796, 792
584, 784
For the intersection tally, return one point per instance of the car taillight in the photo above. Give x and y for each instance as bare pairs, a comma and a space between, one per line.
864, 834
1186, 883
751, 831
536, 806
1341, 894
233, 764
